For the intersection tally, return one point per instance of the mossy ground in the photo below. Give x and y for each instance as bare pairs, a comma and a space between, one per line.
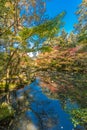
5, 111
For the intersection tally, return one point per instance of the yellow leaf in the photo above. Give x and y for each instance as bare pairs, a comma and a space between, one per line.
7, 4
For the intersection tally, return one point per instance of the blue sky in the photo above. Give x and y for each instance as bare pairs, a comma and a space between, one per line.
54, 7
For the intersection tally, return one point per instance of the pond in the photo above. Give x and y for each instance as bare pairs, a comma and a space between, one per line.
40, 112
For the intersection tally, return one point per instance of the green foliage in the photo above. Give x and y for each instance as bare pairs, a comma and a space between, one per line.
14, 38
83, 37
6, 111
79, 116
82, 20
48, 29
65, 64
45, 49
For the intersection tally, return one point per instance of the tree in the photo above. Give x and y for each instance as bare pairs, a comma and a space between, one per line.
82, 17
17, 26
47, 30
12, 20
72, 39
81, 26
63, 37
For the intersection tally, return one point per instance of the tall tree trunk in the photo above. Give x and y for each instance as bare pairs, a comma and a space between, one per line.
7, 82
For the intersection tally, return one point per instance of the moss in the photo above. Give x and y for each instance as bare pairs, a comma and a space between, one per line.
6, 111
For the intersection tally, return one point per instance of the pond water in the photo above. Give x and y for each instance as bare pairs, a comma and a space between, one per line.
42, 113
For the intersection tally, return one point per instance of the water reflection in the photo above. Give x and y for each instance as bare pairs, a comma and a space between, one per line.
42, 113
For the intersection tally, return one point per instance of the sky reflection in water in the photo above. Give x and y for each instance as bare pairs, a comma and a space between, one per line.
45, 113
